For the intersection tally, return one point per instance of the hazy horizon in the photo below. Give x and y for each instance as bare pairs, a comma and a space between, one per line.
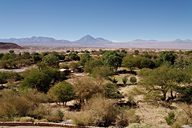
187, 39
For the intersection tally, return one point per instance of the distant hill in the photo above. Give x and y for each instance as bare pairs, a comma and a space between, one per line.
90, 41
86, 41
4, 45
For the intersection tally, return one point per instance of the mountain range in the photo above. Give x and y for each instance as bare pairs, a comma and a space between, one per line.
90, 41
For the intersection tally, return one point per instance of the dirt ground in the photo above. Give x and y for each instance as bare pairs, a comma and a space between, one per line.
151, 116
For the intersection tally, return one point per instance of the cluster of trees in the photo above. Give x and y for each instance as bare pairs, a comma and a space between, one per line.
165, 76
9, 76
41, 78
165, 80
12, 60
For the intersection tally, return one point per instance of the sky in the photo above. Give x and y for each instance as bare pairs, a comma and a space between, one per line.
116, 20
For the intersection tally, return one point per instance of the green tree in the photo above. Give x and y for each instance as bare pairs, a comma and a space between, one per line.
147, 63
112, 59
168, 57
102, 72
37, 79
85, 88
111, 91
162, 80
62, 92
1, 55
96, 62
51, 60
73, 56
26, 55
131, 62
84, 58
36, 57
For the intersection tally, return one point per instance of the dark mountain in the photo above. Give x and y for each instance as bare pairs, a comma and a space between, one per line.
4, 45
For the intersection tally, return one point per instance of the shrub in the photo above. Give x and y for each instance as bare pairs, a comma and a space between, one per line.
26, 119
9, 76
61, 92
124, 80
102, 72
56, 116
85, 88
98, 112
40, 112
133, 118
64, 65
111, 91
113, 80
74, 66
14, 105
83, 118
40, 79
18, 104
51, 60
170, 119
184, 117
122, 120
133, 79
84, 58
92, 63
73, 56
103, 110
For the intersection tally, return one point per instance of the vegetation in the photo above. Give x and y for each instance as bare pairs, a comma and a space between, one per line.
112, 59
98, 88
61, 92
133, 79
51, 60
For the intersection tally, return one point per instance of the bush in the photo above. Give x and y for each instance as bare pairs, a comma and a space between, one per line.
92, 63
113, 80
56, 116
111, 91
14, 105
18, 104
104, 111
133, 118
184, 117
85, 88
170, 119
124, 80
133, 79
98, 112
84, 58
40, 112
9, 76
122, 120
51, 60
102, 72
41, 78
83, 118
26, 119
74, 66
62, 92
73, 56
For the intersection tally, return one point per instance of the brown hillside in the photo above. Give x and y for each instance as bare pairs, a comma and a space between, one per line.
9, 46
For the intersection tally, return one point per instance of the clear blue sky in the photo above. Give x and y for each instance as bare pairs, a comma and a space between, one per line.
118, 20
